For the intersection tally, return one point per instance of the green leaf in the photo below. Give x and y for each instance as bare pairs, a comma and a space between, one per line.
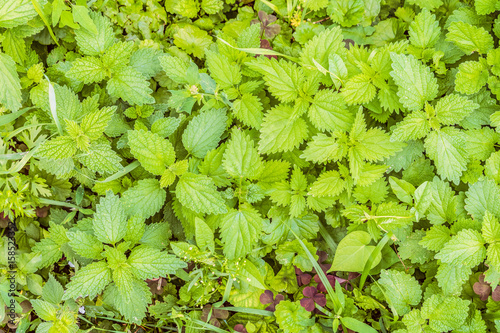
323, 148
16, 12
356, 325
490, 228
81, 16
154, 152
471, 77
359, 89
240, 231
451, 109
193, 40
241, 158
353, 251
225, 73
94, 123
110, 222
151, 263
198, 193
328, 184
132, 311
58, 148
45, 310
129, 85
375, 145
329, 112
175, 68
85, 244
10, 95
445, 313
402, 290
465, 249
124, 279
416, 83
424, 30
248, 109
87, 69
144, 199
281, 131
436, 237
90, 280
52, 291
452, 277
469, 38
101, 158
95, 44
284, 78
117, 56
483, 196
204, 131
292, 317
485, 7
446, 148
204, 235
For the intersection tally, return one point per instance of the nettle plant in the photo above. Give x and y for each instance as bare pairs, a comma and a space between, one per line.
256, 166
119, 253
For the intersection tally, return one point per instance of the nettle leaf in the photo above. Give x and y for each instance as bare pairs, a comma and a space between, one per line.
95, 44
400, 289
88, 281
58, 148
10, 95
283, 78
88, 70
469, 38
204, 131
248, 109
240, 230
329, 112
154, 152
416, 84
144, 199
131, 86
101, 158
110, 221
151, 263
225, 73
241, 158
464, 249
446, 148
85, 244
424, 30
281, 131
198, 193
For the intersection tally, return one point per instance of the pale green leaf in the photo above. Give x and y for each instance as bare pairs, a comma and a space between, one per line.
241, 158
198, 193
416, 84
10, 94
464, 249
90, 280
110, 222
154, 152
204, 131
129, 85
144, 199
240, 231
150, 263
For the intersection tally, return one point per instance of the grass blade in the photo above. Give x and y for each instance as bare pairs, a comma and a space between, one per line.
8, 118
371, 259
260, 51
53, 106
40, 12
